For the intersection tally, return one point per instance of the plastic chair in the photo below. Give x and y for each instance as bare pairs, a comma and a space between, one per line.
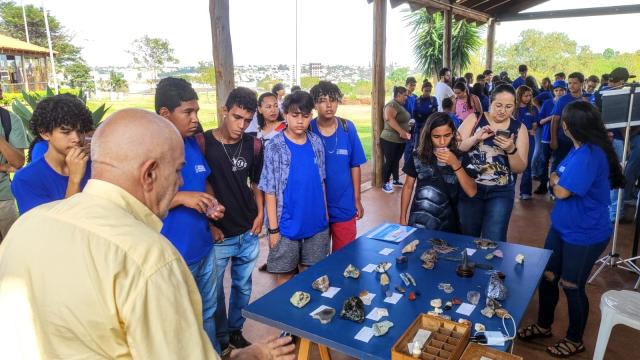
617, 307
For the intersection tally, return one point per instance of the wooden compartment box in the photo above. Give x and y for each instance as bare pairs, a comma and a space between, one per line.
476, 351
447, 342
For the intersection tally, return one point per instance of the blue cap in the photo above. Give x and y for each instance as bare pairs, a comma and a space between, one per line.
559, 84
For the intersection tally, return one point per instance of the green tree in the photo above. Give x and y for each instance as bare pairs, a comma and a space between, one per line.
362, 88
307, 82
206, 73
117, 83
609, 53
398, 76
78, 76
346, 88
152, 54
12, 24
427, 38
267, 83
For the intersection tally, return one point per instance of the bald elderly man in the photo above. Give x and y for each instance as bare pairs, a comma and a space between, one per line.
91, 276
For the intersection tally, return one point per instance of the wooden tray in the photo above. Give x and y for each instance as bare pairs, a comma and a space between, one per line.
476, 351
447, 342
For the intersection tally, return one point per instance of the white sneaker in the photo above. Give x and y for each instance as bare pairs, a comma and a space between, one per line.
387, 188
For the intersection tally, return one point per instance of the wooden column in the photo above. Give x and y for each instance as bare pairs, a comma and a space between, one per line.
222, 51
377, 91
446, 41
491, 39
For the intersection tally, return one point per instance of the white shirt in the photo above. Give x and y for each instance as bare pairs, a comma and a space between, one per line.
442, 92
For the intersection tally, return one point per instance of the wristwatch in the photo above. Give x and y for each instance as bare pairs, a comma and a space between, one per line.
273, 231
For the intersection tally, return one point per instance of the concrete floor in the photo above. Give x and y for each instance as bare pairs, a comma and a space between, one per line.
528, 226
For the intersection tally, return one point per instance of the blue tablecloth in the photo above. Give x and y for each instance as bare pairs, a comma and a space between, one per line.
274, 308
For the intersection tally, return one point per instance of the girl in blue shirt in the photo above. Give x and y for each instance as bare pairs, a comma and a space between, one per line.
528, 115
580, 227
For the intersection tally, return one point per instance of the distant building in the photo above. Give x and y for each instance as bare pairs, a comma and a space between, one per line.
315, 69
23, 66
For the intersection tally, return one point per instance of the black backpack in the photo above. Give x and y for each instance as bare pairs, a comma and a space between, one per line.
6, 122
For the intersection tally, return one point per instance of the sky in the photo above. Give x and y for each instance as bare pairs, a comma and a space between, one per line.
263, 32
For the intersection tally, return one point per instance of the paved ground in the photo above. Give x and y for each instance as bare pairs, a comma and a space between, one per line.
529, 224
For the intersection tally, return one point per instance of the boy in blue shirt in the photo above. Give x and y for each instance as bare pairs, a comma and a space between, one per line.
343, 156
410, 103
297, 215
522, 69
187, 224
62, 121
447, 106
559, 142
236, 158
544, 119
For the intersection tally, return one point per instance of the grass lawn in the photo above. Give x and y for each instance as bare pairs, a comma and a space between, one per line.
359, 114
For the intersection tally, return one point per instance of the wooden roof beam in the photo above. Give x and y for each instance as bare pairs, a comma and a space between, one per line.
556, 14
457, 10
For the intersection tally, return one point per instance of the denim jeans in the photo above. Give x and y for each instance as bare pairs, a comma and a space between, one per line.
545, 157
242, 251
204, 273
573, 264
487, 214
526, 183
632, 170
618, 146
536, 165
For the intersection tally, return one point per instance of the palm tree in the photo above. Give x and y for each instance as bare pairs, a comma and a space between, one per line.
427, 38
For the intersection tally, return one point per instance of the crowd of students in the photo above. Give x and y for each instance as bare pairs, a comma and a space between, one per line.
269, 165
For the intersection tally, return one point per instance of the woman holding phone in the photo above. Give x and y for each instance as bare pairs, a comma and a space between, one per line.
498, 147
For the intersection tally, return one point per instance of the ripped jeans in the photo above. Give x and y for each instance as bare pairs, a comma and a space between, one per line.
569, 267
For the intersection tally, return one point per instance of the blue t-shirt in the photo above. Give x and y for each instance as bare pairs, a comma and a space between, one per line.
559, 106
456, 120
303, 209
342, 151
543, 96
423, 109
545, 112
518, 82
527, 117
37, 184
186, 228
485, 102
410, 104
583, 217
39, 149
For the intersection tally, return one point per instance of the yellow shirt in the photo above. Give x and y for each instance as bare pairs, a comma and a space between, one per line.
91, 277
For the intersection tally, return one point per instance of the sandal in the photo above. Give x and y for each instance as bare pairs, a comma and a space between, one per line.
565, 348
533, 331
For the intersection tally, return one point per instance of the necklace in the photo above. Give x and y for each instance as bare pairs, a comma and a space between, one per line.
235, 160
335, 133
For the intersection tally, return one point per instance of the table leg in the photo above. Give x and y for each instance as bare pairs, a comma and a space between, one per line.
324, 352
304, 349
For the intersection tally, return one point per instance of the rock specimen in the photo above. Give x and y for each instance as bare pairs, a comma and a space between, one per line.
325, 315
383, 267
300, 299
353, 309
381, 328
321, 284
410, 247
384, 279
351, 272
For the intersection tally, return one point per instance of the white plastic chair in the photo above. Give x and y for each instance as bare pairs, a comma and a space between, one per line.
617, 307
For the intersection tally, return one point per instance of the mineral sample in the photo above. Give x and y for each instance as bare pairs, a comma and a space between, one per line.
410, 247
353, 309
325, 315
384, 279
383, 267
381, 328
351, 272
300, 299
321, 284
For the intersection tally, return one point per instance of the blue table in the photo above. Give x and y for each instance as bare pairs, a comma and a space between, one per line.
274, 308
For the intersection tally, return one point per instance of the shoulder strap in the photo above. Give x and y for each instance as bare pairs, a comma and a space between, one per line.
200, 140
344, 124
6, 122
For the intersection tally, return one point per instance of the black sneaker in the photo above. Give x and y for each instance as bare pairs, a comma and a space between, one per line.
237, 340
541, 190
398, 183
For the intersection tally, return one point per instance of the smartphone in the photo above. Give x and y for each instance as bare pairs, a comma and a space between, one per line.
503, 133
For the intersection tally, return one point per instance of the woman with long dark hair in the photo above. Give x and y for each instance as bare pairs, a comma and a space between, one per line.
580, 227
393, 137
269, 117
497, 145
440, 175
466, 103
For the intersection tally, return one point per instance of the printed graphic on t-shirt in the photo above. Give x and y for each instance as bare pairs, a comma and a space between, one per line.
200, 168
490, 164
238, 164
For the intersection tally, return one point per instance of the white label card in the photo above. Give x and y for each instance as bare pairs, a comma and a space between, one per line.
465, 309
494, 338
386, 251
331, 292
369, 268
320, 308
377, 314
365, 334
470, 251
393, 299
367, 299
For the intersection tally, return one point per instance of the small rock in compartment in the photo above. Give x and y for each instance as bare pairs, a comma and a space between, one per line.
384, 279
300, 299
465, 321
410, 247
479, 327
353, 309
383, 267
321, 284
381, 328
351, 272
436, 303
325, 315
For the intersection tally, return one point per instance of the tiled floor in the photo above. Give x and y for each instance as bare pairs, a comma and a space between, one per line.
529, 224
